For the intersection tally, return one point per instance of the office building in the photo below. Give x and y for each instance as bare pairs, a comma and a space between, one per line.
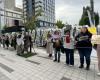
47, 7
10, 14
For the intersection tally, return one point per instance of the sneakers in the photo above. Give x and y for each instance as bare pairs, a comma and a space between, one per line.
81, 66
58, 61
71, 65
55, 60
98, 74
88, 67
50, 55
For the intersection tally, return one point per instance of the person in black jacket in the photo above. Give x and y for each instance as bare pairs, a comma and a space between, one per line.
84, 46
7, 41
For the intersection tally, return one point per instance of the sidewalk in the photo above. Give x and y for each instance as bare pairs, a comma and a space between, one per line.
40, 67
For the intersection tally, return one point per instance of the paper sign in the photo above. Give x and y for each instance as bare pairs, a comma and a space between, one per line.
95, 39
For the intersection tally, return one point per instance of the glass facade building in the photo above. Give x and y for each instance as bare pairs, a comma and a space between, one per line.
47, 7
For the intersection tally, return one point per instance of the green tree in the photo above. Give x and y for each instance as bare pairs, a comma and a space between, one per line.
31, 23
59, 24
85, 19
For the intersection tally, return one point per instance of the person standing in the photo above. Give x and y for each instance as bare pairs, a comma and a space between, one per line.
57, 46
20, 44
26, 42
84, 46
30, 43
98, 55
3, 40
49, 44
98, 52
0, 41
69, 48
7, 41
14, 43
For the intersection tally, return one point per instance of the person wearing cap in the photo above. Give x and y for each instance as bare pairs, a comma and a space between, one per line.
84, 46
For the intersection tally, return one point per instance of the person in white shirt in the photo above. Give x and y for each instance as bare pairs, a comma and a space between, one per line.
20, 44
68, 44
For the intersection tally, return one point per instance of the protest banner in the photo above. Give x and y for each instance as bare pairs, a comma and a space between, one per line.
95, 39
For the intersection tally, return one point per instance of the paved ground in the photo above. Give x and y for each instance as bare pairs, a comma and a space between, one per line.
40, 67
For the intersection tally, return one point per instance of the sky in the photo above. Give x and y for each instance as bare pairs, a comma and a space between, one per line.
70, 11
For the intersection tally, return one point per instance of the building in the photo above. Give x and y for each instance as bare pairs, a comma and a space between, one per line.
9, 4
47, 7
1, 13
10, 14
13, 18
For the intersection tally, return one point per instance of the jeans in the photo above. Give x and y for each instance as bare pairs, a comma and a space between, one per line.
85, 53
69, 56
57, 55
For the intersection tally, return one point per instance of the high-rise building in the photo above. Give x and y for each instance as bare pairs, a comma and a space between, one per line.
47, 7
9, 4
10, 14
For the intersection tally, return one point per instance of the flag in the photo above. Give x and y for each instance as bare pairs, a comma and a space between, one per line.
92, 30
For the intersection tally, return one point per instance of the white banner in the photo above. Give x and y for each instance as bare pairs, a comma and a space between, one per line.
95, 39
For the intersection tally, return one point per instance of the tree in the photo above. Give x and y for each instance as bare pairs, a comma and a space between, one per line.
59, 24
31, 23
85, 19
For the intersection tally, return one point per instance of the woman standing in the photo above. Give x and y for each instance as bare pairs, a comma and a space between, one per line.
49, 44
7, 42
98, 54
84, 47
20, 44
69, 48
3, 40
57, 46
15, 42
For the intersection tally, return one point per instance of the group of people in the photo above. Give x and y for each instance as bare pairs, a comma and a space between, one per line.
7, 41
58, 43
68, 44
20, 42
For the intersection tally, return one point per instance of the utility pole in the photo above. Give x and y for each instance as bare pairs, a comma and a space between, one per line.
92, 11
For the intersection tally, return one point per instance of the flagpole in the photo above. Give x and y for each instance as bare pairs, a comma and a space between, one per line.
92, 11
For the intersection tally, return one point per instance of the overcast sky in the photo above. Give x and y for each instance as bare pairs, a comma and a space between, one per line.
71, 10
